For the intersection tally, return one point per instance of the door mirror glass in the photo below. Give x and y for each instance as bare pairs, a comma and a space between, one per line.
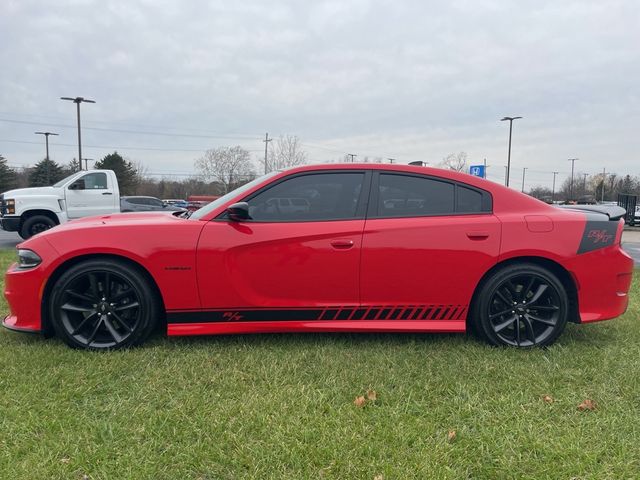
239, 211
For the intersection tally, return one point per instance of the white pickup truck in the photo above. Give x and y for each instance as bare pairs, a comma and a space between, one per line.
31, 210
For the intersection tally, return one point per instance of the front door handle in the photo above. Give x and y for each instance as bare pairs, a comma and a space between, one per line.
107, 193
478, 235
342, 244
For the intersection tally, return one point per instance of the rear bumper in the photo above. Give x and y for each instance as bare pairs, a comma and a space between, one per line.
10, 224
603, 279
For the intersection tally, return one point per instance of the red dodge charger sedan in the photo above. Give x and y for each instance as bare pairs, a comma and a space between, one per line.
348, 247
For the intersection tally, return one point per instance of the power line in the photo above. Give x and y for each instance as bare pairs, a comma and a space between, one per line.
136, 132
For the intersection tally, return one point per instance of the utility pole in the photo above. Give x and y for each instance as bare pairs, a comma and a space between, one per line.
510, 119
604, 176
573, 161
391, 160
553, 189
352, 155
78, 101
266, 144
524, 171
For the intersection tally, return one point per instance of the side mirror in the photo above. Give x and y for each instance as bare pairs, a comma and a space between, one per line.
239, 212
77, 185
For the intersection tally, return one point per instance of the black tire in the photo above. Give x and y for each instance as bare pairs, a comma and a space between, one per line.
103, 305
522, 305
36, 224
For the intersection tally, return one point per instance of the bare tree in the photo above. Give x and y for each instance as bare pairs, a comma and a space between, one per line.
455, 161
231, 166
286, 152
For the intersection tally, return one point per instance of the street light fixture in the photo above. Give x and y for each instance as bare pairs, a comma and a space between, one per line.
511, 119
78, 101
86, 163
46, 139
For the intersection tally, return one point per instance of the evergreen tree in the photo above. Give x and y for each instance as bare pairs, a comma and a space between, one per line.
72, 167
125, 171
8, 177
45, 173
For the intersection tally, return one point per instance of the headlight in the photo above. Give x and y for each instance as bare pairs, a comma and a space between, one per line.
28, 258
10, 207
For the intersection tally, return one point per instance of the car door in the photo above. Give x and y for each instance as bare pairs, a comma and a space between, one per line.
89, 195
287, 263
426, 244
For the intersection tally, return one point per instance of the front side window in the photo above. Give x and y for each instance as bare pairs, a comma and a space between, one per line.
309, 197
95, 181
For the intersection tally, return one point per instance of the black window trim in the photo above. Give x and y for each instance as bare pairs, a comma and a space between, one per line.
361, 207
374, 198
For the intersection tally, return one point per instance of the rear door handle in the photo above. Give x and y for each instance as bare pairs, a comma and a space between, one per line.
478, 235
107, 193
342, 244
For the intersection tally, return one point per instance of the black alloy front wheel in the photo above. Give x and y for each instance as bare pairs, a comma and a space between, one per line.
103, 304
522, 305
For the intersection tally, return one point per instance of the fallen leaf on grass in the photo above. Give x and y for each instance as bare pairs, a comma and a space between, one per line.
587, 404
378, 477
359, 401
65, 460
547, 399
371, 395
451, 436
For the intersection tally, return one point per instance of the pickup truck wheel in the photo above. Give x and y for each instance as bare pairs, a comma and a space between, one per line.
34, 225
103, 305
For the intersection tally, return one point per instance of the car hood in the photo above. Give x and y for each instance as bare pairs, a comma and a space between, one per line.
33, 191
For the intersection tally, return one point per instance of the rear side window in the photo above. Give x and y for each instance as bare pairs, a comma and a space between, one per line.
468, 200
414, 196
410, 196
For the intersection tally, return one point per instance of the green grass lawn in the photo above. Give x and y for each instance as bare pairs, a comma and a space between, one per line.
282, 406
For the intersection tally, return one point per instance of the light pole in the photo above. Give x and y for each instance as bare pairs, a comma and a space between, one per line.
511, 119
573, 161
78, 101
86, 163
524, 171
46, 141
352, 155
584, 184
553, 189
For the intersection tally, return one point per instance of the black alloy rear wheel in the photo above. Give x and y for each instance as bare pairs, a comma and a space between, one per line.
522, 305
103, 304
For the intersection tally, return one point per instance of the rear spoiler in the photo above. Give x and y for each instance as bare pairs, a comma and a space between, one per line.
614, 212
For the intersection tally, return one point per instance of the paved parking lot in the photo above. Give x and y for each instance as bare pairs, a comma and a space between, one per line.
630, 242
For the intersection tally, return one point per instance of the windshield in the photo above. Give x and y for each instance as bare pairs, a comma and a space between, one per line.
64, 180
225, 198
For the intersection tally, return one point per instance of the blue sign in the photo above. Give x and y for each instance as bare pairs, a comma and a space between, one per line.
477, 170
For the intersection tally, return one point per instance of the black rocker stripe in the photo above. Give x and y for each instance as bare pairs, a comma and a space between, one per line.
381, 312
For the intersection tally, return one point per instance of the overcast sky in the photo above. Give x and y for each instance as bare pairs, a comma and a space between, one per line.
408, 80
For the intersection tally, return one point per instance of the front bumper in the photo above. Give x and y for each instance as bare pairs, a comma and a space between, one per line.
24, 289
10, 224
